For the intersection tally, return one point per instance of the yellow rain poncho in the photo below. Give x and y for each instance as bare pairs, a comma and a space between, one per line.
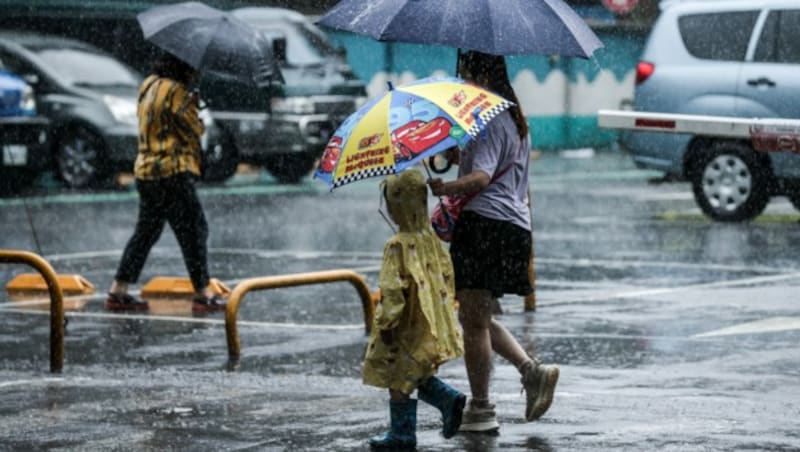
417, 295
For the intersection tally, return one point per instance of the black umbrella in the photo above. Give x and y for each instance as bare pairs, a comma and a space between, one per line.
212, 41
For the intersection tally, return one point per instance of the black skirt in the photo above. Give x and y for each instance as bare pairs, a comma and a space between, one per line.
491, 255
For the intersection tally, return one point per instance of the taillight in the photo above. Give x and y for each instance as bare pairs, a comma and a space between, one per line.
644, 70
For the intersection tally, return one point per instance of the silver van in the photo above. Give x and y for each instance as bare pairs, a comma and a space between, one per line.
726, 58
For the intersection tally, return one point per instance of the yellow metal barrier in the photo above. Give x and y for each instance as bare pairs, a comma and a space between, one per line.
56, 301
368, 300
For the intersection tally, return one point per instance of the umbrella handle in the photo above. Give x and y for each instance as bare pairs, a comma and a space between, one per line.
432, 160
441, 202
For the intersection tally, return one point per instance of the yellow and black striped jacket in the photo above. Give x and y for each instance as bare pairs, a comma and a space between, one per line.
169, 130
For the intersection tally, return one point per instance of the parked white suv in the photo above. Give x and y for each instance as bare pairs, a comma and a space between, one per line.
726, 58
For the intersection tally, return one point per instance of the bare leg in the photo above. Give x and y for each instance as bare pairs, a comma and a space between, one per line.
504, 344
397, 395
119, 287
475, 314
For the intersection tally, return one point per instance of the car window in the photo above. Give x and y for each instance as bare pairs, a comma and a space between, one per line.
718, 36
11, 64
81, 67
304, 47
780, 39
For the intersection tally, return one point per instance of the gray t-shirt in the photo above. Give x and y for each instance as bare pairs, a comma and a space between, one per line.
505, 198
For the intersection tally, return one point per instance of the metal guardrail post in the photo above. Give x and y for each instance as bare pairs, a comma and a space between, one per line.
56, 301
368, 299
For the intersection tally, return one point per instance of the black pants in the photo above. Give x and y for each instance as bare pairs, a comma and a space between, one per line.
172, 200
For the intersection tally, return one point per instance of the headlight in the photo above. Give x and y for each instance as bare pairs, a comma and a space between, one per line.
359, 101
27, 102
206, 117
293, 105
123, 110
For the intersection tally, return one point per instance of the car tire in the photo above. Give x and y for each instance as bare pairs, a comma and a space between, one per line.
80, 157
730, 182
220, 158
290, 169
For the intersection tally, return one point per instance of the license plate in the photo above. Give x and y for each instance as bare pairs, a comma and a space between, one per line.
15, 155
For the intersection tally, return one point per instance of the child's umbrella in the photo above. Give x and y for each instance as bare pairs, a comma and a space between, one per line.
399, 129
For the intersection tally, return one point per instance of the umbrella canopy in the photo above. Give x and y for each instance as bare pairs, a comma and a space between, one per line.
506, 27
395, 131
212, 41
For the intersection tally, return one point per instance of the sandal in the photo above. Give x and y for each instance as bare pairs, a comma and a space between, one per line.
201, 303
125, 302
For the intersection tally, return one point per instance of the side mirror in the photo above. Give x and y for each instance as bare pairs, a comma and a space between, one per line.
279, 49
31, 79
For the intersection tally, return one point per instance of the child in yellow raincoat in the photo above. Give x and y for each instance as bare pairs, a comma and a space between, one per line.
415, 328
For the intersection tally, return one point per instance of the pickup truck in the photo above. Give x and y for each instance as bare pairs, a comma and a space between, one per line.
23, 135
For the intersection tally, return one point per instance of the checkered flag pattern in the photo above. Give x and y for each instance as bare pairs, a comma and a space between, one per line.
371, 172
487, 116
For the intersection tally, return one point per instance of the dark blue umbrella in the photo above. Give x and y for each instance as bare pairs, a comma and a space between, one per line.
498, 27
211, 40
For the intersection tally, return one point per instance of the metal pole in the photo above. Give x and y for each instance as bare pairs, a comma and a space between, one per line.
56, 301
368, 299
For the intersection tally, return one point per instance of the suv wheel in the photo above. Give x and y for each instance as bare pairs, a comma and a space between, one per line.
730, 183
290, 169
220, 158
80, 157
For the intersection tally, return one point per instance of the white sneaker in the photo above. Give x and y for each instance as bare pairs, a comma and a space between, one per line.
479, 419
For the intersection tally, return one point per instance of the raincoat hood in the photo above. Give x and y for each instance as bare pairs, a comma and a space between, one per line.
407, 201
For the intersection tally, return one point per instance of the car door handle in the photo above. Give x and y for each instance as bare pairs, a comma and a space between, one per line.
760, 81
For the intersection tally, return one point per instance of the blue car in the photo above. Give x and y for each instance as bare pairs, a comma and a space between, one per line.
23, 135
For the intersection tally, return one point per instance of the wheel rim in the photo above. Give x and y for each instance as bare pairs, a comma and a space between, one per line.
77, 161
727, 183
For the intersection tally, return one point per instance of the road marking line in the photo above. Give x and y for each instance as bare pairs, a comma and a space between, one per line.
6, 384
88, 198
770, 325
265, 253
665, 264
165, 318
668, 290
306, 254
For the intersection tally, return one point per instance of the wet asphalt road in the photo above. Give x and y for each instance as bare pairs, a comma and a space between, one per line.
672, 332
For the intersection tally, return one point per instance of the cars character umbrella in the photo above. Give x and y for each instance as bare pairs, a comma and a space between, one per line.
397, 130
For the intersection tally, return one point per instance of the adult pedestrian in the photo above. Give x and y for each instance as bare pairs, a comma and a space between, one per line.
491, 247
167, 164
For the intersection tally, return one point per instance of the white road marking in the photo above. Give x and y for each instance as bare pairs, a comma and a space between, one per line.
666, 290
769, 325
6, 384
310, 255
167, 318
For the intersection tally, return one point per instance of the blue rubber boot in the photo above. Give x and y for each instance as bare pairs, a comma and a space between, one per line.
403, 433
448, 400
